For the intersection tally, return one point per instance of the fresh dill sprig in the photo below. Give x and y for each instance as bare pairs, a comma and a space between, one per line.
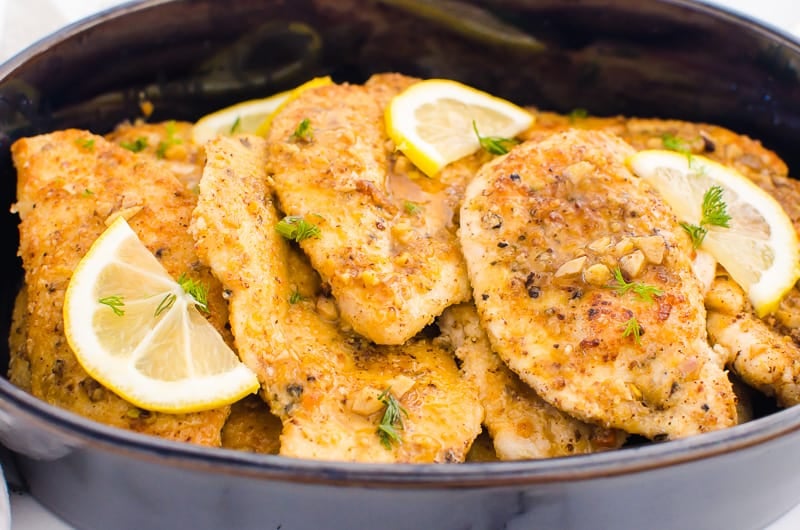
196, 290
236, 125
392, 419
85, 143
714, 213
296, 297
165, 304
634, 329
303, 132
115, 303
411, 208
169, 141
496, 145
644, 291
296, 228
578, 114
673, 143
137, 145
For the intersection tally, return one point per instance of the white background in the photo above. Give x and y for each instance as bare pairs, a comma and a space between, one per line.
23, 22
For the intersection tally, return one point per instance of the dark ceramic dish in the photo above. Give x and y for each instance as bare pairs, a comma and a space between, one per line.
667, 58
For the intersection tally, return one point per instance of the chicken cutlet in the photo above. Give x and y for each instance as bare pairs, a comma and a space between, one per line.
771, 366
332, 390
387, 242
520, 423
583, 282
19, 364
70, 184
169, 142
252, 427
764, 358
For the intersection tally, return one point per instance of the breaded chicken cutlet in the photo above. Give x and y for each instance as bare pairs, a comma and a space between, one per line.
545, 230
69, 185
327, 386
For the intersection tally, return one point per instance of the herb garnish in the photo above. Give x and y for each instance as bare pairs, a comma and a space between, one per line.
715, 213
673, 143
633, 328
392, 419
115, 303
411, 208
296, 297
195, 289
86, 143
578, 114
236, 125
496, 145
137, 145
165, 304
644, 291
169, 141
295, 228
303, 132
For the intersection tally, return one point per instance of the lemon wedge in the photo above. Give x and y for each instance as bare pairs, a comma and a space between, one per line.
240, 118
139, 333
291, 95
758, 248
434, 122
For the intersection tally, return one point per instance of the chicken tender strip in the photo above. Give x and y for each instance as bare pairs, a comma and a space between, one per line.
70, 184
387, 243
763, 357
543, 230
322, 383
521, 424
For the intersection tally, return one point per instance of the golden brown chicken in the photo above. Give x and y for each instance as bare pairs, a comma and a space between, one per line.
69, 184
332, 390
583, 282
520, 423
386, 243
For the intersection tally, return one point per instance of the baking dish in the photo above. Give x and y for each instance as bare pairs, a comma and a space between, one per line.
676, 59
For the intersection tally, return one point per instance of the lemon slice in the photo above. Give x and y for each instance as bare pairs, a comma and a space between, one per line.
759, 248
242, 118
138, 332
431, 122
291, 95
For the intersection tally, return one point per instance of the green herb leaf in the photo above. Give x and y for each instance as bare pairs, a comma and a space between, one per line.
392, 419
496, 145
85, 143
303, 132
236, 125
169, 141
578, 114
197, 290
137, 145
411, 208
115, 303
697, 233
296, 297
295, 228
715, 210
87, 192
644, 291
714, 213
165, 304
673, 143
633, 328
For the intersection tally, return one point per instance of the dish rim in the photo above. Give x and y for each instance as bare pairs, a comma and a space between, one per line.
77, 431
